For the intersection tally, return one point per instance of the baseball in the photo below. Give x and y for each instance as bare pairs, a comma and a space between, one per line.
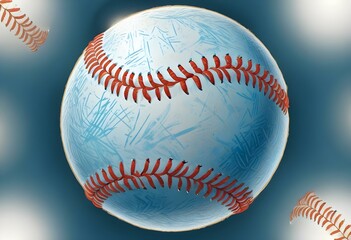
175, 118
21, 25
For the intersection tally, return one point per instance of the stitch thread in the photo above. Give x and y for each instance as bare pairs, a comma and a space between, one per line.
24, 28
229, 193
98, 64
312, 207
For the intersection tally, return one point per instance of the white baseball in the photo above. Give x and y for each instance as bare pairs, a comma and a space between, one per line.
169, 109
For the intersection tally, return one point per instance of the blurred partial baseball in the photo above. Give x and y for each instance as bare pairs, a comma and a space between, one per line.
21, 25
175, 118
316, 210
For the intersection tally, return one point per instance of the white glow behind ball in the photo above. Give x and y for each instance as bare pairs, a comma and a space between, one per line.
23, 219
178, 83
323, 25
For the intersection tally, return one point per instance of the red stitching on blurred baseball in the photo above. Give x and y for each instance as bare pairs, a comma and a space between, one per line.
100, 186
312, 207
98, 63
24, 28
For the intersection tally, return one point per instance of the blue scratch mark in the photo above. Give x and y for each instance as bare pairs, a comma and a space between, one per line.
174, 30
224, 93
148, 56
148, 49
183, 132
161, 48
210, 110
158, 29
130, 132
142, 126
223, 143
247, 115
164, 37
100, 117
173, 136
100, 120
204, 120
157, 132
131, 42
143, 34
170, 44
248, 146
201, 54
124, 111
133, 54
121, 119
244, 96
148, 64
204, 104
135, 61
164, 40
255, 103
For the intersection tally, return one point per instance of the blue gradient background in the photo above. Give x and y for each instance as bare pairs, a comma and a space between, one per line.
316, 154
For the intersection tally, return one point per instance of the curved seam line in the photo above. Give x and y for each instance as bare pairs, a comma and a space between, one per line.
31, 35
98, 63
100, 186
307, 206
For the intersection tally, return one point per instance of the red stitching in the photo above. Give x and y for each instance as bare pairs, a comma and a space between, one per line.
26, 31
312, 207
229, 193
98, 63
